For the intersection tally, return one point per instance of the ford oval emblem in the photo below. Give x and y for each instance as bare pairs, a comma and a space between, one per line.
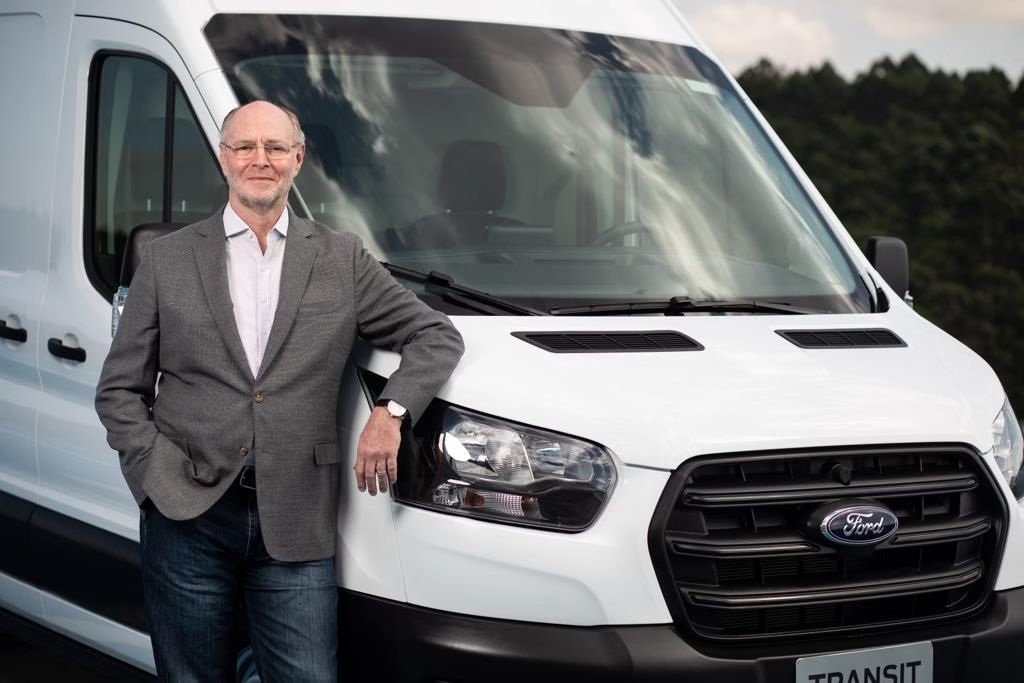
859, 525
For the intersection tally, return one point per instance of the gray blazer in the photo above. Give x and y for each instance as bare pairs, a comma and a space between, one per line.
184, 445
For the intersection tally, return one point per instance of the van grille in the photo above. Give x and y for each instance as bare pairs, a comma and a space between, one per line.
736, 563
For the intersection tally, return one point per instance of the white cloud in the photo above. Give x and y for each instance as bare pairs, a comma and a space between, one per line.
740, 33
908, 19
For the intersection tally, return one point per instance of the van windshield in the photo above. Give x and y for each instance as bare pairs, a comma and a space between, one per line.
549, 167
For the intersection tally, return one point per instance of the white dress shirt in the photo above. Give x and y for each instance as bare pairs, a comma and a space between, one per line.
254, 279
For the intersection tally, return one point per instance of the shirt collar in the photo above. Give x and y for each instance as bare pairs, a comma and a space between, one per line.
234, 225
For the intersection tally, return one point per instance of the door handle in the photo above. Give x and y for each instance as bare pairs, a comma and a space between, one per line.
57, 348
15, 335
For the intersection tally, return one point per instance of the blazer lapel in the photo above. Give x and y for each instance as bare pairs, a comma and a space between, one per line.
299, 254
211, 255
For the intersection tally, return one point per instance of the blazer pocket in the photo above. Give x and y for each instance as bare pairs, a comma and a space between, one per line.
326, 453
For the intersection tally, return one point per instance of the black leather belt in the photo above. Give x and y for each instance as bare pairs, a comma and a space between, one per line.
247, 478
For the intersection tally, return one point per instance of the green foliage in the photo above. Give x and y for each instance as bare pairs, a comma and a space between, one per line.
934, 158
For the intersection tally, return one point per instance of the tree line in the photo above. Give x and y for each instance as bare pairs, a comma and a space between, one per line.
934, 158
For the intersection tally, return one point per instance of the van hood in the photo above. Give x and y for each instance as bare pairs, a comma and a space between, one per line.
748, 389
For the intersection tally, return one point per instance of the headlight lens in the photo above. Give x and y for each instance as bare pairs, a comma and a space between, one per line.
489, 468
1008, 448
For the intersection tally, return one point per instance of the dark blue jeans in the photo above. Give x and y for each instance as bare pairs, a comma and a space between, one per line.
196, 571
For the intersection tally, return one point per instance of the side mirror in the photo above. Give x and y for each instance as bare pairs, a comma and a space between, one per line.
888, 255
140, 236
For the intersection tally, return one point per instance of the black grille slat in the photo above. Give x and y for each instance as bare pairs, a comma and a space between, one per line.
769, 494
842, 339
737, 561
765, 544
920, 533
845, 591
610, 342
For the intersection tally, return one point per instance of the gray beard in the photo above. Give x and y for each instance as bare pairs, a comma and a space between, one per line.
261, 205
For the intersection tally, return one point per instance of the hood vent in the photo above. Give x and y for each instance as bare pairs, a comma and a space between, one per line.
842, 339
609, 342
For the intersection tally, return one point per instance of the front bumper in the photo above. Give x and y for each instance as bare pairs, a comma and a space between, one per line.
382, 640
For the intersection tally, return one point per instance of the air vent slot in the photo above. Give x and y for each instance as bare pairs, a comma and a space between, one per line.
609, 342
842, 339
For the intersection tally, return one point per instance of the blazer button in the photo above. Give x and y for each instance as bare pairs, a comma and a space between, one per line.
258, 397
243, 451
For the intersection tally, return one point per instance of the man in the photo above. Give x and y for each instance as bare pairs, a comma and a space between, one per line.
248, 318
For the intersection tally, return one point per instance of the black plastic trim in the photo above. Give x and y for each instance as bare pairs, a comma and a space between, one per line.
19, 335
845, 592
14, 516
766, 494
779, 545
438, 646
794, 545
90, 567
574, 341
921, 533
107, 574
172, 83
659, 548
874, 338
57, 348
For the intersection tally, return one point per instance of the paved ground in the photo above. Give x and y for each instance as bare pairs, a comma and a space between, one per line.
22, 662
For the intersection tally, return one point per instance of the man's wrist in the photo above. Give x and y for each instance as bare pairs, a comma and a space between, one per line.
392, 408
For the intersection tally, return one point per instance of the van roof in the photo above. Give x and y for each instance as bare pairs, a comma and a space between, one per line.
650, 19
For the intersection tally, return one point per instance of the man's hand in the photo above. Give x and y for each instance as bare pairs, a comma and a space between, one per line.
377, 454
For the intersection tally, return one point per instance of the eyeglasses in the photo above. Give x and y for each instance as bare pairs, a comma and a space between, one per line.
248, 151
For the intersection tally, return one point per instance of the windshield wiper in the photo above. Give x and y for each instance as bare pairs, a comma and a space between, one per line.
681, 305
460, 294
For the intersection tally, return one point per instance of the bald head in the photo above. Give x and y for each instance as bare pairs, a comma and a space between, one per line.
263, 109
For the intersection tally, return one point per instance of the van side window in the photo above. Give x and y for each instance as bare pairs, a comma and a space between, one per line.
140, 112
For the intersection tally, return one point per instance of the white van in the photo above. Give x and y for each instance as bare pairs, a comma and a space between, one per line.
697, 434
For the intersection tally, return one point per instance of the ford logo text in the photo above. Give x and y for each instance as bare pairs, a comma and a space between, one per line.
859, 525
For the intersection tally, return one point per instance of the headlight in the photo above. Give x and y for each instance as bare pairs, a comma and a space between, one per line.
1008, 448
485, 467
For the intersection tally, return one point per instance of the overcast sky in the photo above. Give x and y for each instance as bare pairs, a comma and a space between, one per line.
954, 35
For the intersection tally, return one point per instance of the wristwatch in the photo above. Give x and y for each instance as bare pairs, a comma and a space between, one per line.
395, 409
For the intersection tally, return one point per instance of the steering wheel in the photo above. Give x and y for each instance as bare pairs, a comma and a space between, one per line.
618, 232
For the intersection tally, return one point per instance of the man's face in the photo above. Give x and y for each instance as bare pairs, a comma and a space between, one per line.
257, 180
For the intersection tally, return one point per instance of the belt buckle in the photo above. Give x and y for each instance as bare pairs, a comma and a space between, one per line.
247, 479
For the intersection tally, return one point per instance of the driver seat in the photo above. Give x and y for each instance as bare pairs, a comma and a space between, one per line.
471, 188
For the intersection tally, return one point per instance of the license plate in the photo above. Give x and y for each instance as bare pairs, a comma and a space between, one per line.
897, 664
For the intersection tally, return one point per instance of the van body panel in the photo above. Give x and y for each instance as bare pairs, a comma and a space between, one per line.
368, 557
744, 391
38, 37
602, 575
182, 25
109, 637
21, 598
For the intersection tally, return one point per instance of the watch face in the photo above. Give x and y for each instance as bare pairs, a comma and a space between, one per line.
396, 409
